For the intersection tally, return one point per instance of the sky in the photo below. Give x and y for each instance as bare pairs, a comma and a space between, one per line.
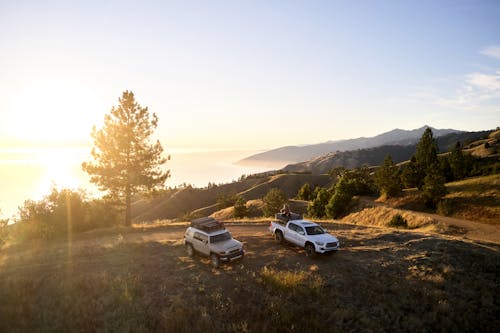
248, 74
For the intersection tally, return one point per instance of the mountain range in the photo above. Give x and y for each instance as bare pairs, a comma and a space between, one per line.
295, 154
375, 155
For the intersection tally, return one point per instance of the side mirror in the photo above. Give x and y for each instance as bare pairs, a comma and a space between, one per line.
301, 232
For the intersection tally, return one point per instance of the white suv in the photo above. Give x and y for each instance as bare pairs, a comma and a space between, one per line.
209, 237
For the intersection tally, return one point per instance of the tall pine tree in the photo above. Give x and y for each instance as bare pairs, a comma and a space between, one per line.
387, 178
426, 155
125, 161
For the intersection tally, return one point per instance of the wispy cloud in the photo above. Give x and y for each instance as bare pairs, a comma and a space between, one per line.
484, 81
478, 89
491, 51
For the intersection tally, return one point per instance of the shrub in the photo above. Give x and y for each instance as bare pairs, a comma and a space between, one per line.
273, 201
445, 207
317, 207
398, 221
240, 208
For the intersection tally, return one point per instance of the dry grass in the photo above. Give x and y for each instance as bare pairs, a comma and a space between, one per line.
381, 216
475, 199
382, 280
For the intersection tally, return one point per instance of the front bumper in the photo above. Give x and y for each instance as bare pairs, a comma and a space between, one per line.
328, 247
232, 256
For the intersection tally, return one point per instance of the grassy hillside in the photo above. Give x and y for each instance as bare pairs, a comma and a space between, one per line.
141, 281
475, 199
204, 201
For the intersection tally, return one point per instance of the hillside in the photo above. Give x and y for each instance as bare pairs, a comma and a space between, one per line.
374, 156
140, 280
291, 154
177, 203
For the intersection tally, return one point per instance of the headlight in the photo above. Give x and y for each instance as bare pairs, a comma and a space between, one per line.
320, 243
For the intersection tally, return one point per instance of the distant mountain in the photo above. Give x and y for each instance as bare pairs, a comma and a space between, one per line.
374, 156
291, 154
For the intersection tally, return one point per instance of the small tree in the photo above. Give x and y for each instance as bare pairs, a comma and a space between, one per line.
240, 208
227, 200
305, 192
426, 155
338, 203
125, 162
434, 187
317, 207
388, 179
460, 163
274, 201
412, 174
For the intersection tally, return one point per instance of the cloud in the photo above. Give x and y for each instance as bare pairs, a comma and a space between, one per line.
491, 51
489, 82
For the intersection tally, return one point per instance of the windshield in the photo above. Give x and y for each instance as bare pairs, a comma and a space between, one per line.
315, 230
220, 237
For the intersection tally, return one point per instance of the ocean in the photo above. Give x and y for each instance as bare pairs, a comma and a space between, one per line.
30, 173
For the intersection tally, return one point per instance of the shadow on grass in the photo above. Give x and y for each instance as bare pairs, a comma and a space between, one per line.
385, 281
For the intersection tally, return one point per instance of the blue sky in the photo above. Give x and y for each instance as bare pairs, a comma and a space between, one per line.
248, 74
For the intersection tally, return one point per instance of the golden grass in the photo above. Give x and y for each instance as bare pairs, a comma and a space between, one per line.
475, 199
380, 216
381, 280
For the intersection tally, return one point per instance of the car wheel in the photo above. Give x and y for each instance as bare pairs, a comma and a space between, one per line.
310, 250
214, 259
278, 236
189, 250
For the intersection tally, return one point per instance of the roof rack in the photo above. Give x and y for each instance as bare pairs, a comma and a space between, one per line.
207, 224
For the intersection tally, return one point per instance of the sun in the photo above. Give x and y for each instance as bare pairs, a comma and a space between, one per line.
53, 111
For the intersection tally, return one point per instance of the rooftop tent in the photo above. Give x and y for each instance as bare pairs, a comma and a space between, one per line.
207, 224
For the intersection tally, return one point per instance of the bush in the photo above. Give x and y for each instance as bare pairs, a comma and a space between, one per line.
317, 207
240, 208
445, 207
273, 201
398, 221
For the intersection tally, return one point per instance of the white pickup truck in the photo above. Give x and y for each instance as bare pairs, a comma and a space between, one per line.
209, 237
309, 235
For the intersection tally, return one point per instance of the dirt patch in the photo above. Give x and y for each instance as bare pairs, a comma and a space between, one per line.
380, 280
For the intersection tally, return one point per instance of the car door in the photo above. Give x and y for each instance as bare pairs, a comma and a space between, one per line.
291, 234
200, 243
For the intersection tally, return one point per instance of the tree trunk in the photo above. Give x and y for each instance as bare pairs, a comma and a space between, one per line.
128, 207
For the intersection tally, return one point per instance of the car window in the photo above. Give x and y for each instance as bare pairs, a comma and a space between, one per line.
292, 226
200, 236
315, 230
220, 237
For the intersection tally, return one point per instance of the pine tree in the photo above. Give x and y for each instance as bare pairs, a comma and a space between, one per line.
274, 201
460, 163
317, 206
340, 200
305, 192
125, 162
412, 175
426, 154
240, 208
388, 179
434, 186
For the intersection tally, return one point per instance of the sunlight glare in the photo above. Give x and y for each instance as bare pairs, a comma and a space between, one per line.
54, 111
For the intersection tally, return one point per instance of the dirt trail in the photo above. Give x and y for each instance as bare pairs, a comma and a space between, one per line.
472, 230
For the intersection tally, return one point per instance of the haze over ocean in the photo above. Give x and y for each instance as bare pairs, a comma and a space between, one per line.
43, 167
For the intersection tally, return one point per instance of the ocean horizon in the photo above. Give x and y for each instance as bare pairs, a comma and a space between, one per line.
30, 173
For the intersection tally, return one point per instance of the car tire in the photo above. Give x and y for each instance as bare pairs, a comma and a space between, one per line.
189, 249
310, 250
278, 235
215, 260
